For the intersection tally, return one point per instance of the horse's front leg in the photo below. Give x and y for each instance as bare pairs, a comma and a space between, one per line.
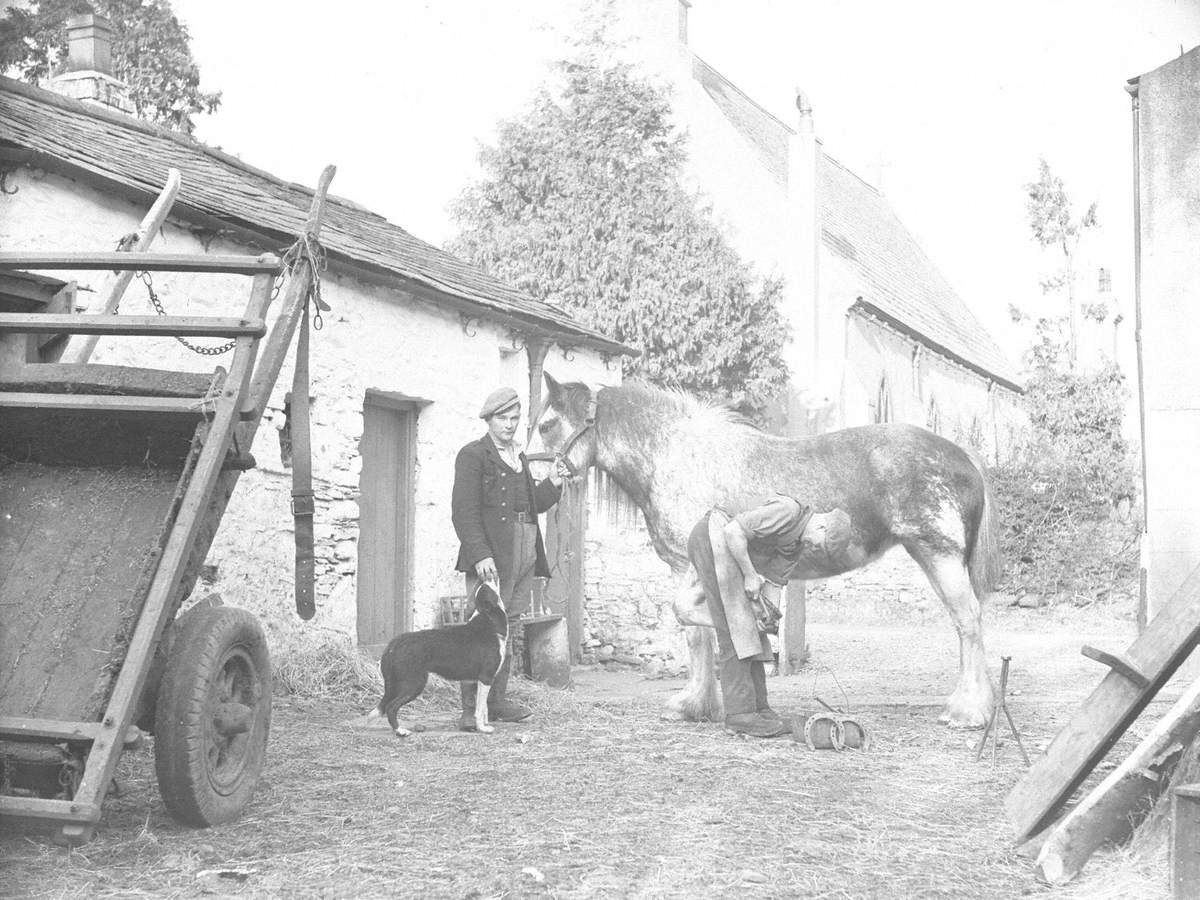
701, 699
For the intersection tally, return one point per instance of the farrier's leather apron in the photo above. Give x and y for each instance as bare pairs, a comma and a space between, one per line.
748, 641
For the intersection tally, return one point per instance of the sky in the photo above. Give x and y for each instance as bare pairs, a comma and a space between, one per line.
945, 105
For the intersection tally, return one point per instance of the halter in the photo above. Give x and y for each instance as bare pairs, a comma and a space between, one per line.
589, 420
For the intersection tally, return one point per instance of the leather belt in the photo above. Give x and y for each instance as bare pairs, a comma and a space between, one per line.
525, 518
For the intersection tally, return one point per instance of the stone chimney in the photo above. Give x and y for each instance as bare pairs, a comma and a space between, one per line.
89, 73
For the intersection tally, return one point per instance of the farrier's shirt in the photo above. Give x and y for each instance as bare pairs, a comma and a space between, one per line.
774, 530
508, 453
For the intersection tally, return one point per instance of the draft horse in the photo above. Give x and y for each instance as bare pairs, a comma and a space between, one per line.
676, 457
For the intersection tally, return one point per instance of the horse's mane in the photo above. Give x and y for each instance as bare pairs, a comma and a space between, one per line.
680, 404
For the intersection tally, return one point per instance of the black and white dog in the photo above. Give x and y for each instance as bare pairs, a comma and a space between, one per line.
473, 651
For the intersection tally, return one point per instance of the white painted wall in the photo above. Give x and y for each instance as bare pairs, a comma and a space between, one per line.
374, 337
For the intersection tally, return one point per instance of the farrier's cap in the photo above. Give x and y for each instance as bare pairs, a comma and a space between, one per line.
498, 401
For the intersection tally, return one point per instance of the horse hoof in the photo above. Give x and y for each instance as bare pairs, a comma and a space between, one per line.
672, 715
962, 719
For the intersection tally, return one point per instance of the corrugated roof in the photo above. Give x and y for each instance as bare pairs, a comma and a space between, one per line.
860, 227
135, 154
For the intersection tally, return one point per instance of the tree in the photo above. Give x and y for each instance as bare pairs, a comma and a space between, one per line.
581, 205
150, 53
1052, 219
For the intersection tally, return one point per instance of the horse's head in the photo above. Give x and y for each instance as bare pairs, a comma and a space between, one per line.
566, 424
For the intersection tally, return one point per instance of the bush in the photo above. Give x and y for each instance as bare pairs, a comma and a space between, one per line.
1059, 490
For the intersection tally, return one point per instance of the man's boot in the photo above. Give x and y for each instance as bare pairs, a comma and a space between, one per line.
741, 702
758, 673
500, 709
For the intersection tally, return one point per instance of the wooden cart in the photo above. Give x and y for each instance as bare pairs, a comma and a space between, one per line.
113, 481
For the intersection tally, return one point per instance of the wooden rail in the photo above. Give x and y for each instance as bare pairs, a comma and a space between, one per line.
267, 263
146, 326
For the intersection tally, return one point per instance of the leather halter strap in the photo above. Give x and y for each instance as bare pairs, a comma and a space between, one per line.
589, 421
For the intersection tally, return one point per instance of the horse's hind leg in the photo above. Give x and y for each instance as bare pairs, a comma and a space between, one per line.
700, 700
970, 705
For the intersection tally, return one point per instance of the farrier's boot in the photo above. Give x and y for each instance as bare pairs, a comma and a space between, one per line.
466, 722
741, 702
758, 672
501, 709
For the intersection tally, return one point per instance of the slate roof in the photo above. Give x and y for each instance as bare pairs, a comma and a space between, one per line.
93, 142
859, 226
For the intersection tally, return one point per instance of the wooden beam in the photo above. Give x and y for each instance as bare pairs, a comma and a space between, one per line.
1185, 842
1100, 720
1106, 812
57, 810
267, 263
143, 326
81, 349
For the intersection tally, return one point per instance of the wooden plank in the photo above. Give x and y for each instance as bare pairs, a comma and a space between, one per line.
1127, 793
80, 350
1111, 708
266, 263
55, 810
104, 403
136, 326
20, 728
97, 378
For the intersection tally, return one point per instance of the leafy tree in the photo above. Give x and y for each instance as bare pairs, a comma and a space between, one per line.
582, 206
1054, 224
150, 53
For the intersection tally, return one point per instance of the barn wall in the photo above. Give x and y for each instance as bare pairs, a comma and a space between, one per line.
374, 338
1169, 166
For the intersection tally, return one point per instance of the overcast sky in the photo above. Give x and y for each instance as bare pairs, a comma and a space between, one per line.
947, 105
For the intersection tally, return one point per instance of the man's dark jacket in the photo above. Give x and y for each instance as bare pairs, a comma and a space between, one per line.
484, 502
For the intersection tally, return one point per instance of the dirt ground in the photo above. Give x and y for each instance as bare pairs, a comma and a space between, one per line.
596, 797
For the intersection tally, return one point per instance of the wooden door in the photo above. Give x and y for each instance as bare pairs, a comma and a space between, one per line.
385, 526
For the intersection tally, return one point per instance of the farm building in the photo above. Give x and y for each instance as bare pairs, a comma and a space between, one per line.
1166, 164
878, 333
414, 341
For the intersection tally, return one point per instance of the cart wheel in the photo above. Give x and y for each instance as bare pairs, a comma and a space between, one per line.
212, 716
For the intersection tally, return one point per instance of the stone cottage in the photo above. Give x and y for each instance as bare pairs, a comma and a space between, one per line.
414, 341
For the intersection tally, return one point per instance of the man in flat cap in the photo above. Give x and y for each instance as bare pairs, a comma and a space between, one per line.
494, 507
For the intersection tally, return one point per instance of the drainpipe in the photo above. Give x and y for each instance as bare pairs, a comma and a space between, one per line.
1143, 612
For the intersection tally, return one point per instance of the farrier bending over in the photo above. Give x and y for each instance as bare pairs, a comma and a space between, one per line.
494, 507
744, 562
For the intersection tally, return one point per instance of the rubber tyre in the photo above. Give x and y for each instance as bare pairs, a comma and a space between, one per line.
213, 716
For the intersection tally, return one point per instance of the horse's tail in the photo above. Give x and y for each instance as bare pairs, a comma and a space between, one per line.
983, 559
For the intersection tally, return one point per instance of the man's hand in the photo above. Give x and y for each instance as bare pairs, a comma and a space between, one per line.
560, 472
485, 570
753, 583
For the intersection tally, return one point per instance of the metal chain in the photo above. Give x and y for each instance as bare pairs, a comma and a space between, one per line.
148, 281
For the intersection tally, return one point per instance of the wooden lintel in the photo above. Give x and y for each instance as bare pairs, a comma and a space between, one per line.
266, 263
136, 326
1118, 662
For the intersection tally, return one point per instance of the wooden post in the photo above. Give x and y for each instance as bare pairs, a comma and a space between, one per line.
1128, 792
535, 349
793, 638
80, 349
1185, 842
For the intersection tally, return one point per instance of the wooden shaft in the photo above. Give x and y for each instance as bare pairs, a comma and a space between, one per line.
80, 350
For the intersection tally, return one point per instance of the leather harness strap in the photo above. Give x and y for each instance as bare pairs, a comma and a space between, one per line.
589, 421
303, 505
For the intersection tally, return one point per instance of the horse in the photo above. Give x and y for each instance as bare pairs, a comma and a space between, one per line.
677, 457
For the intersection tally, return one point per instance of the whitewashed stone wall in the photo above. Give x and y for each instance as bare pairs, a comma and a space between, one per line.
373, 338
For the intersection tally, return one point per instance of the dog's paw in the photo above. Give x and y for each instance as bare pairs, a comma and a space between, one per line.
373, 714
402, 732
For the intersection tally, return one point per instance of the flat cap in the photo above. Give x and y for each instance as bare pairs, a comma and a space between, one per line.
498, 401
